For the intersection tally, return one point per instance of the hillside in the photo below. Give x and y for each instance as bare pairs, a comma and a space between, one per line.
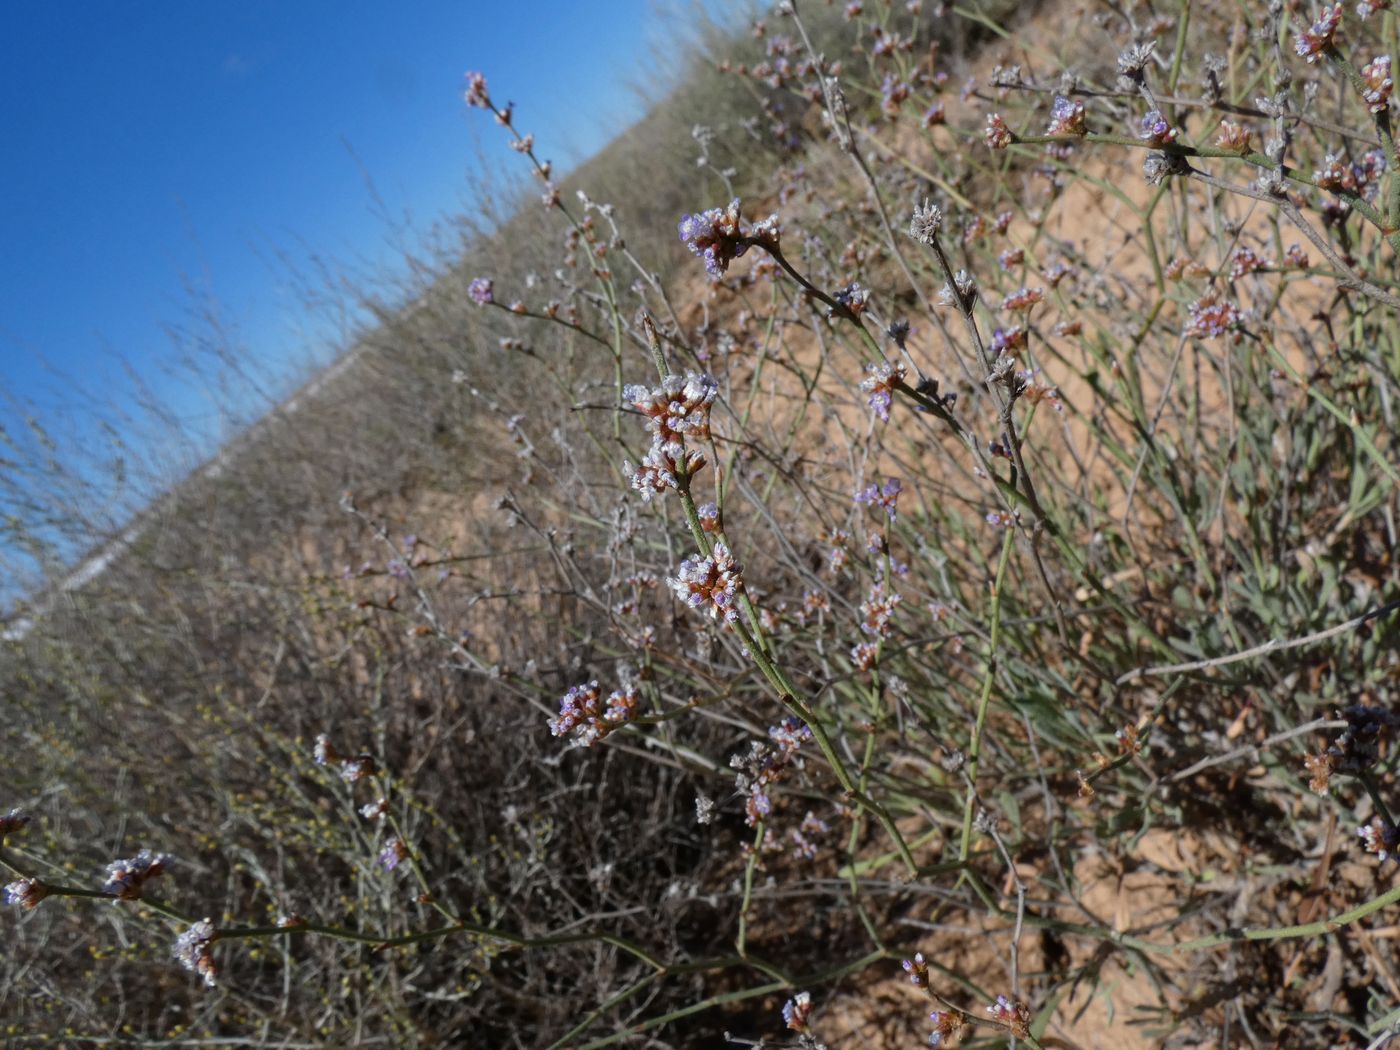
970, 590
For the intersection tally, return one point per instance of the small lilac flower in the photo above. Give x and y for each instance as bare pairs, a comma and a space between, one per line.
1066, 117
482, 291
879, 384
796, 1009
1335, 174
946, 1025
324, 752
353, 770
393, 854
710, 583
1367, 8
397, 569
718, 237
1010, 1013
853, 297
917, 969
676, 409
894, 92
708, 513
476, 94
659, 471
125, 878
789, 735
195, 952
936, 114
885, 496
1381, 838
583, 714
1315, 41
1376, 74
998, 135
375, 810
25, 893
1008, 340
876, 611
1210, 317
1155, 130
864, 655
1245, 261
1023, 299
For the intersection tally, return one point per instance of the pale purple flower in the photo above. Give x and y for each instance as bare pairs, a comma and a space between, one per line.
393, 854
1312, 43
1066, 117
481, 291
25, 893
1156, 130
880, 383
711, 582
125, 878
884, 496
195, 952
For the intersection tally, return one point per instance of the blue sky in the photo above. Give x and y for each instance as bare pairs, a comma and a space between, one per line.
148, 146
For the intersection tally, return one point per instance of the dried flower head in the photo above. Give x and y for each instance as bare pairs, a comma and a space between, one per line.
925, 222
1133, 61
961, 292
1232, 136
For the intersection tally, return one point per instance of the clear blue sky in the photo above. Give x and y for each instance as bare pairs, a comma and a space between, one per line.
147, 143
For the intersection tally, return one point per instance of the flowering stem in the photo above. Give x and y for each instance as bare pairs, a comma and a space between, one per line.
1382, 810
974, 751
786, 692
1177, 149
752, 863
